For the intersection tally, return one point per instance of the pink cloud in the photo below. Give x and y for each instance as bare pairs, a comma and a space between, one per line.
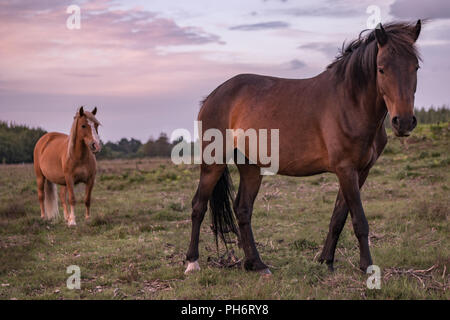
114, 52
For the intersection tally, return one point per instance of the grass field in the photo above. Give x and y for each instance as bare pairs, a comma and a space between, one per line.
135, 243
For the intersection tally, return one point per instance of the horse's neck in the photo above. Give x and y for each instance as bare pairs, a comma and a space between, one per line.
78, 151
372, 105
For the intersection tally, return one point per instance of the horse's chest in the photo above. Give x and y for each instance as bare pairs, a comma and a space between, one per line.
81, 174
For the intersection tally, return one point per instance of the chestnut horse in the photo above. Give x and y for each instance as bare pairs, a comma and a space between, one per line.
67, 160
329, 123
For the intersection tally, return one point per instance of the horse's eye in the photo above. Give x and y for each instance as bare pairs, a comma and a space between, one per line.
83, 126
380, 70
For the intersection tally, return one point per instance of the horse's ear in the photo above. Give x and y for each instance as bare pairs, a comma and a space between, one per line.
94, 112
81, 111
380, 35
417, 29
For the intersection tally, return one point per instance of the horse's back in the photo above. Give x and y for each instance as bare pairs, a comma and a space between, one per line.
51, 140
267, 98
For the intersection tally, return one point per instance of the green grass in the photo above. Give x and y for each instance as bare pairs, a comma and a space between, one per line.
135, 243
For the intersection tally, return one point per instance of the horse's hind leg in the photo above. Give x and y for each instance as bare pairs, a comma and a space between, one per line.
40, 180
243, 206
209, 175
63, 199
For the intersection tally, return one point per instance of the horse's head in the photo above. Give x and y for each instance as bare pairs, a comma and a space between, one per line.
397, 65
87, 129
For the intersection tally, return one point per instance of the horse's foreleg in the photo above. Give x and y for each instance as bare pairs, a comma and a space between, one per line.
87, 198
340, 211
337, 223
72, 201
209, 176
63, 199
349, 182
248, 190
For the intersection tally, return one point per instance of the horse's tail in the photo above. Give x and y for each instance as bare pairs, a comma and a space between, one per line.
51, 200
220, 204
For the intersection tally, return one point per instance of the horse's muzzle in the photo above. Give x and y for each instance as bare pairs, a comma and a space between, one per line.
402, 126
95, 147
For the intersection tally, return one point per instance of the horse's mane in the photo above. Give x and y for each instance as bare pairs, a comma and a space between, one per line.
356, 62
73, 130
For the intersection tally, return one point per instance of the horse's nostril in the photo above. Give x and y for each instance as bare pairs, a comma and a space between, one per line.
414, 121
395, 121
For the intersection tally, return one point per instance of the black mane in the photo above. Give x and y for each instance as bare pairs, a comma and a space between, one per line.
356, 61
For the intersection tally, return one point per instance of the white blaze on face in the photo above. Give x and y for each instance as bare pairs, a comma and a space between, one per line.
94, 133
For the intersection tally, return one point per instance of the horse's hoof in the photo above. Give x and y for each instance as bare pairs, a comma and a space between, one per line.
192, 266
265, 273
330, 267
72, 224
363, 268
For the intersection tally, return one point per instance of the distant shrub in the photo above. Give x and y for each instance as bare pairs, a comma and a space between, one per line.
176, 206
423, 155
303, 244
431, 211
17, 142
14, 209
99, 220
435, 154
389, 150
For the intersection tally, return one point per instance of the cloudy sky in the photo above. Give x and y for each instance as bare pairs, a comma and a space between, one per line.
147, 64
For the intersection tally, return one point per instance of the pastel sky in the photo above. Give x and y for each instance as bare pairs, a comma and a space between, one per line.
147, 64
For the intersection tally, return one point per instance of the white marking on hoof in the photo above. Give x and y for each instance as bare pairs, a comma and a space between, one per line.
192, 266
265, 272
72, 223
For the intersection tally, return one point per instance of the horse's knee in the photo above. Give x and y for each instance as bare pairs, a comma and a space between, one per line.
198, 210
194, 199
243, 215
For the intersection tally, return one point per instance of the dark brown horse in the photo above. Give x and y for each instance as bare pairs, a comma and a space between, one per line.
65, 160
330, 123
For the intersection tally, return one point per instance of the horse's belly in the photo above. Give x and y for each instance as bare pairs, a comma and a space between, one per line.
52, 170
54, 176
302, 167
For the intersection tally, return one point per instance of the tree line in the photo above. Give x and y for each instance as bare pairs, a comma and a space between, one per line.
428, 116
17, 141
132, 148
